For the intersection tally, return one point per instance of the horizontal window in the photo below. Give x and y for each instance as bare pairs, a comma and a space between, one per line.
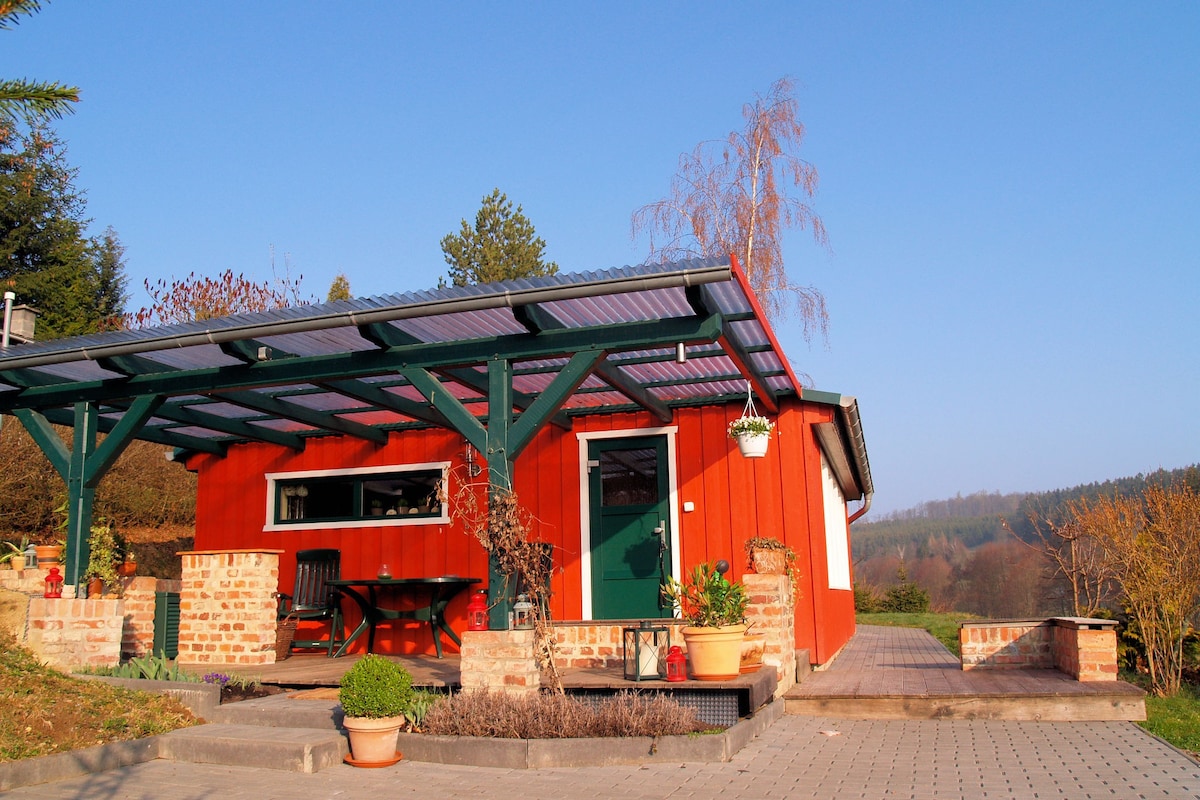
376, 495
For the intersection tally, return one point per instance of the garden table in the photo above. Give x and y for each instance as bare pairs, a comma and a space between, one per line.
381, 597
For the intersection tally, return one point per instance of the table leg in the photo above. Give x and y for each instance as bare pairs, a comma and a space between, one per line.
363, 624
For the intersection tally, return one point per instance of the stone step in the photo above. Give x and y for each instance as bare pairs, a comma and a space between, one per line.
1046, 708
290, 749
281, 711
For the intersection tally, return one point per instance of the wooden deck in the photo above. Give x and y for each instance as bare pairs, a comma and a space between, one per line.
904, 673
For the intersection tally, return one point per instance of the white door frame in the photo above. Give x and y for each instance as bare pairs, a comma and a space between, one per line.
585, 510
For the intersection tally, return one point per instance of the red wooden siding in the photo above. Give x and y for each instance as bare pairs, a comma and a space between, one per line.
735, 498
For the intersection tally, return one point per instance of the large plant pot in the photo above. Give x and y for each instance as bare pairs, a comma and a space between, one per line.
715, 653
768, 562
753, 445
373, 741
17, 563
49, 555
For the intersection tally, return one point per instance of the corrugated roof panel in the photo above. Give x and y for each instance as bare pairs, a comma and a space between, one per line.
592, 299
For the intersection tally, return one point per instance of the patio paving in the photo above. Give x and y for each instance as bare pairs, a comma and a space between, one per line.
905, 673
797, 757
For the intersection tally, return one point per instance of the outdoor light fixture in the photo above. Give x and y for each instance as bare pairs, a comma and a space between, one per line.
477, 612
473, 469
54, 583
676, 664
680, 353
644, 650
522, 613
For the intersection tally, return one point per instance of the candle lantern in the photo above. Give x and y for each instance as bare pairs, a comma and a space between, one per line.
676, 664
644, 649
54, 583
523, 613
477, 612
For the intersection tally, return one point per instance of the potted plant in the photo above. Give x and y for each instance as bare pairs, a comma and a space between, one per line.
13, 555
752, 434
374, 695
715, 611
769, 556
101, 572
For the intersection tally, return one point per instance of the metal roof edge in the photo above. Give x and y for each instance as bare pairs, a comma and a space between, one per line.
501, 295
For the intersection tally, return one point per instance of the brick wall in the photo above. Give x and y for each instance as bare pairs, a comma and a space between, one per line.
499, 660
75, 633
137, 638
227, 608
597, 645
1085, 649
772, 613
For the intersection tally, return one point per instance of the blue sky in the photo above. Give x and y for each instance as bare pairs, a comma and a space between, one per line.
1012, 190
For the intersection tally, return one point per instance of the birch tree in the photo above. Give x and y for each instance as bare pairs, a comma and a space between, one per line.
737, 196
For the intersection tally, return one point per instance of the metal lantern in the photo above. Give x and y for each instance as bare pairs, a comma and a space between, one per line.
477, 612
522, 613
54, 583
644, 649
676, 664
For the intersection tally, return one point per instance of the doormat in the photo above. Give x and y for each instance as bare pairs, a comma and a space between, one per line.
324, 693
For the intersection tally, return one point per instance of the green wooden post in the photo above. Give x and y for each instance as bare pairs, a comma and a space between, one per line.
80, 496
500, 599
84, 465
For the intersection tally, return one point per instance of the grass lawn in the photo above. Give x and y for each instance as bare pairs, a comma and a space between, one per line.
1175, 719
44, 711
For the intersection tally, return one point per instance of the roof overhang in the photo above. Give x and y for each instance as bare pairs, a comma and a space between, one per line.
365, 367
843, 444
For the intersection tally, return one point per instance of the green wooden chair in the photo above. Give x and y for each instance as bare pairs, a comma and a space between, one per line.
313, 598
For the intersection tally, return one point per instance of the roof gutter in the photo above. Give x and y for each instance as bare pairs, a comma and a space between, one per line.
858, 449
505, 298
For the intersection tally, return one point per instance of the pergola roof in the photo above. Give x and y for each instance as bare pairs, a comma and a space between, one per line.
364, 367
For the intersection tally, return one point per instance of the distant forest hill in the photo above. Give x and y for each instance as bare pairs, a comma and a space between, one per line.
933, 527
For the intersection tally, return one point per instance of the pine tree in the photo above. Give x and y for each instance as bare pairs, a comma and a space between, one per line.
501, 246
45, 256
339, 289
30, 99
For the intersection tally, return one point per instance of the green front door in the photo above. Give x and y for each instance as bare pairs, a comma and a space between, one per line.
630, 542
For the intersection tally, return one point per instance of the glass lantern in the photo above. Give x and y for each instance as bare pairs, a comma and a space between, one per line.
522, 613
644, 649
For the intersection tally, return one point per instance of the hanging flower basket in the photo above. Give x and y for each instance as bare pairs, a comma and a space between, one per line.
751, 432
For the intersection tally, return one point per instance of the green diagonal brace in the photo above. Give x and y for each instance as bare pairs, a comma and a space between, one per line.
83, 465
550, 400
448, 406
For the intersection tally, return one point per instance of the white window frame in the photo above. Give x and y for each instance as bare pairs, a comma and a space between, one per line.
585, 511
396, 520
837, 531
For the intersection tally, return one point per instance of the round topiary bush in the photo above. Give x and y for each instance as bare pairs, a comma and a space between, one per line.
375, 688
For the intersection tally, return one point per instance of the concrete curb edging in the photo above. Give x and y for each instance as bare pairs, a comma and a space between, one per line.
76, 763
202, 699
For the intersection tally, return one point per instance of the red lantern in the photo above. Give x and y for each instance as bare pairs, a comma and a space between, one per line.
477, 612
54, 583
676, 664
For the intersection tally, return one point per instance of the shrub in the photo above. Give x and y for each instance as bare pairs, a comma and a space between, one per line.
375, 688
866, 599
556, 716
906, 598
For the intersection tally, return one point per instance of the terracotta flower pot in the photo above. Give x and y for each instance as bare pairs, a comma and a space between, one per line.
715, 653
373, 741
768, 562
753, 646
127, 569
49, 555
